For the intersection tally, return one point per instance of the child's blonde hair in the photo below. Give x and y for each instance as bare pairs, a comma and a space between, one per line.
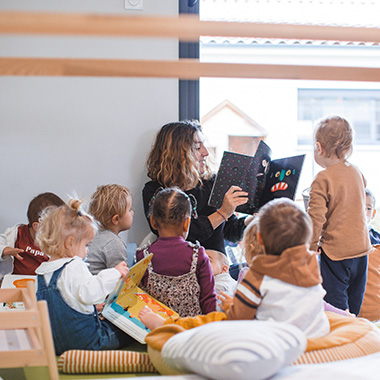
282, 225
219, 256
58, 223
335, 135
251, 244
108, 201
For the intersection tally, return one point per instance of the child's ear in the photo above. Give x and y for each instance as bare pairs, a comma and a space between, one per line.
115, 220
35, 226
319, 148
373, 213
69, 242
260, 239
225, 268
186, 224
153, 223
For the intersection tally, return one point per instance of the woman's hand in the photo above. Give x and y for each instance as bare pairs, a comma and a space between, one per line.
233, 198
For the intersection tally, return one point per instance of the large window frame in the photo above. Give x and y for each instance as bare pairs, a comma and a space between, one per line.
188, 90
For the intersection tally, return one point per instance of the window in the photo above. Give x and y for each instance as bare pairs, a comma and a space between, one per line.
360, 107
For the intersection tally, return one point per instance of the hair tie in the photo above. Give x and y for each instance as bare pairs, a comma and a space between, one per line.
80, 213
194, 204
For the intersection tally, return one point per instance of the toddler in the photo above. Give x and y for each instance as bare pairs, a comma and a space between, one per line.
179, 274
251, 246
337, 210
111, 206
19, 252
224, 283
371, 302
284, 284
69, 288
370, 208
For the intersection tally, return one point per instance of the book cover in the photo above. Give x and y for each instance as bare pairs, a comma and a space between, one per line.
16, 281
264, 179
124, 304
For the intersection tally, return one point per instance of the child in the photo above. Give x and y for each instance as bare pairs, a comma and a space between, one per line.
337, 210
220, 268
283, 284
179, 274
111, 206
69, 288
251, 246
370, 207
20, 253
371, 302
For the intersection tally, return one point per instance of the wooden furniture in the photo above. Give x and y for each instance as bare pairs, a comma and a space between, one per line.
183, 27
26, 338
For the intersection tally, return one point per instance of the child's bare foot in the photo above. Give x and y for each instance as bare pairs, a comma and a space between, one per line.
150, 318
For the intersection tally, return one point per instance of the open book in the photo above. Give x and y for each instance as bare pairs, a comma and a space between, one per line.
126, 301
264, 179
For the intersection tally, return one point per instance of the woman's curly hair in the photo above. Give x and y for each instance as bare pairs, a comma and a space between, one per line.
171, 161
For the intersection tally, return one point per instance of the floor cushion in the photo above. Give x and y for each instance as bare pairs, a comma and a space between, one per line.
227, 350
110, 361
348, 338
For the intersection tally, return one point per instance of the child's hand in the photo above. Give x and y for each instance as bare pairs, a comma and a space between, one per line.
122, 267
100, 307
9, 251
225, 301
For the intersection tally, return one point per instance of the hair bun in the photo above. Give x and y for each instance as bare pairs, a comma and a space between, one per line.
75, 205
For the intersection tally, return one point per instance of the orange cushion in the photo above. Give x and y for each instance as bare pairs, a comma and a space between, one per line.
115, 361
348, 338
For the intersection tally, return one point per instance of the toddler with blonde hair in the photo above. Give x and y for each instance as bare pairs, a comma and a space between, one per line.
337, 210
111, 206
67, 285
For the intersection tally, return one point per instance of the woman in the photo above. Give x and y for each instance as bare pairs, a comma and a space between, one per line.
179, 158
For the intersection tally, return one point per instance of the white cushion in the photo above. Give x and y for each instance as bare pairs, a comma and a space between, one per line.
251, 350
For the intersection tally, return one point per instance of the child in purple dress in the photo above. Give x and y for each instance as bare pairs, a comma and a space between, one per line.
179, 275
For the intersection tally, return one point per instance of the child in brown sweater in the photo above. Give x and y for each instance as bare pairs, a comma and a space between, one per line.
337, 210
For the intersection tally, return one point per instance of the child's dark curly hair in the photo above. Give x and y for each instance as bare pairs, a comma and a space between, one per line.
170, 206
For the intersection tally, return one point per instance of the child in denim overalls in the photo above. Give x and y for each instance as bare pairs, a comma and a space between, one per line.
69, 288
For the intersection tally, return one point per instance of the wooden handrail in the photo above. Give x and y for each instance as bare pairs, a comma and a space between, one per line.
183, 27
182, 69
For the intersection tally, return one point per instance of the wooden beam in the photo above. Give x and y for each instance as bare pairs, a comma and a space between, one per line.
182, 69
184, 27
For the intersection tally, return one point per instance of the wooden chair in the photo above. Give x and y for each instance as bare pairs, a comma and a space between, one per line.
28, 339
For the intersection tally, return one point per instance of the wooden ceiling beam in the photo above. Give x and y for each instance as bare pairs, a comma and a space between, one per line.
183, 27
182, 69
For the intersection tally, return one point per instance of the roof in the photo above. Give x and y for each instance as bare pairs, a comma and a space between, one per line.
354, 13
244, 124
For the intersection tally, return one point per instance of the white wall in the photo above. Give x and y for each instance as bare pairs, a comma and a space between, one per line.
68, 135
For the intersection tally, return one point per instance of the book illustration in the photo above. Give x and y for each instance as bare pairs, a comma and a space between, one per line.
125, 303
282, 178
16, 281
264, 179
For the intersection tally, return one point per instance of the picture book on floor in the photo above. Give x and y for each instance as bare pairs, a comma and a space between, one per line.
264, 179
124, 304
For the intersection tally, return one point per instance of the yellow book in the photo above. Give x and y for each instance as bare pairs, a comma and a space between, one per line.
124, 304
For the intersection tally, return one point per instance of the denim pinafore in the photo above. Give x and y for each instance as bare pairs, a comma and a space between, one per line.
75, 330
